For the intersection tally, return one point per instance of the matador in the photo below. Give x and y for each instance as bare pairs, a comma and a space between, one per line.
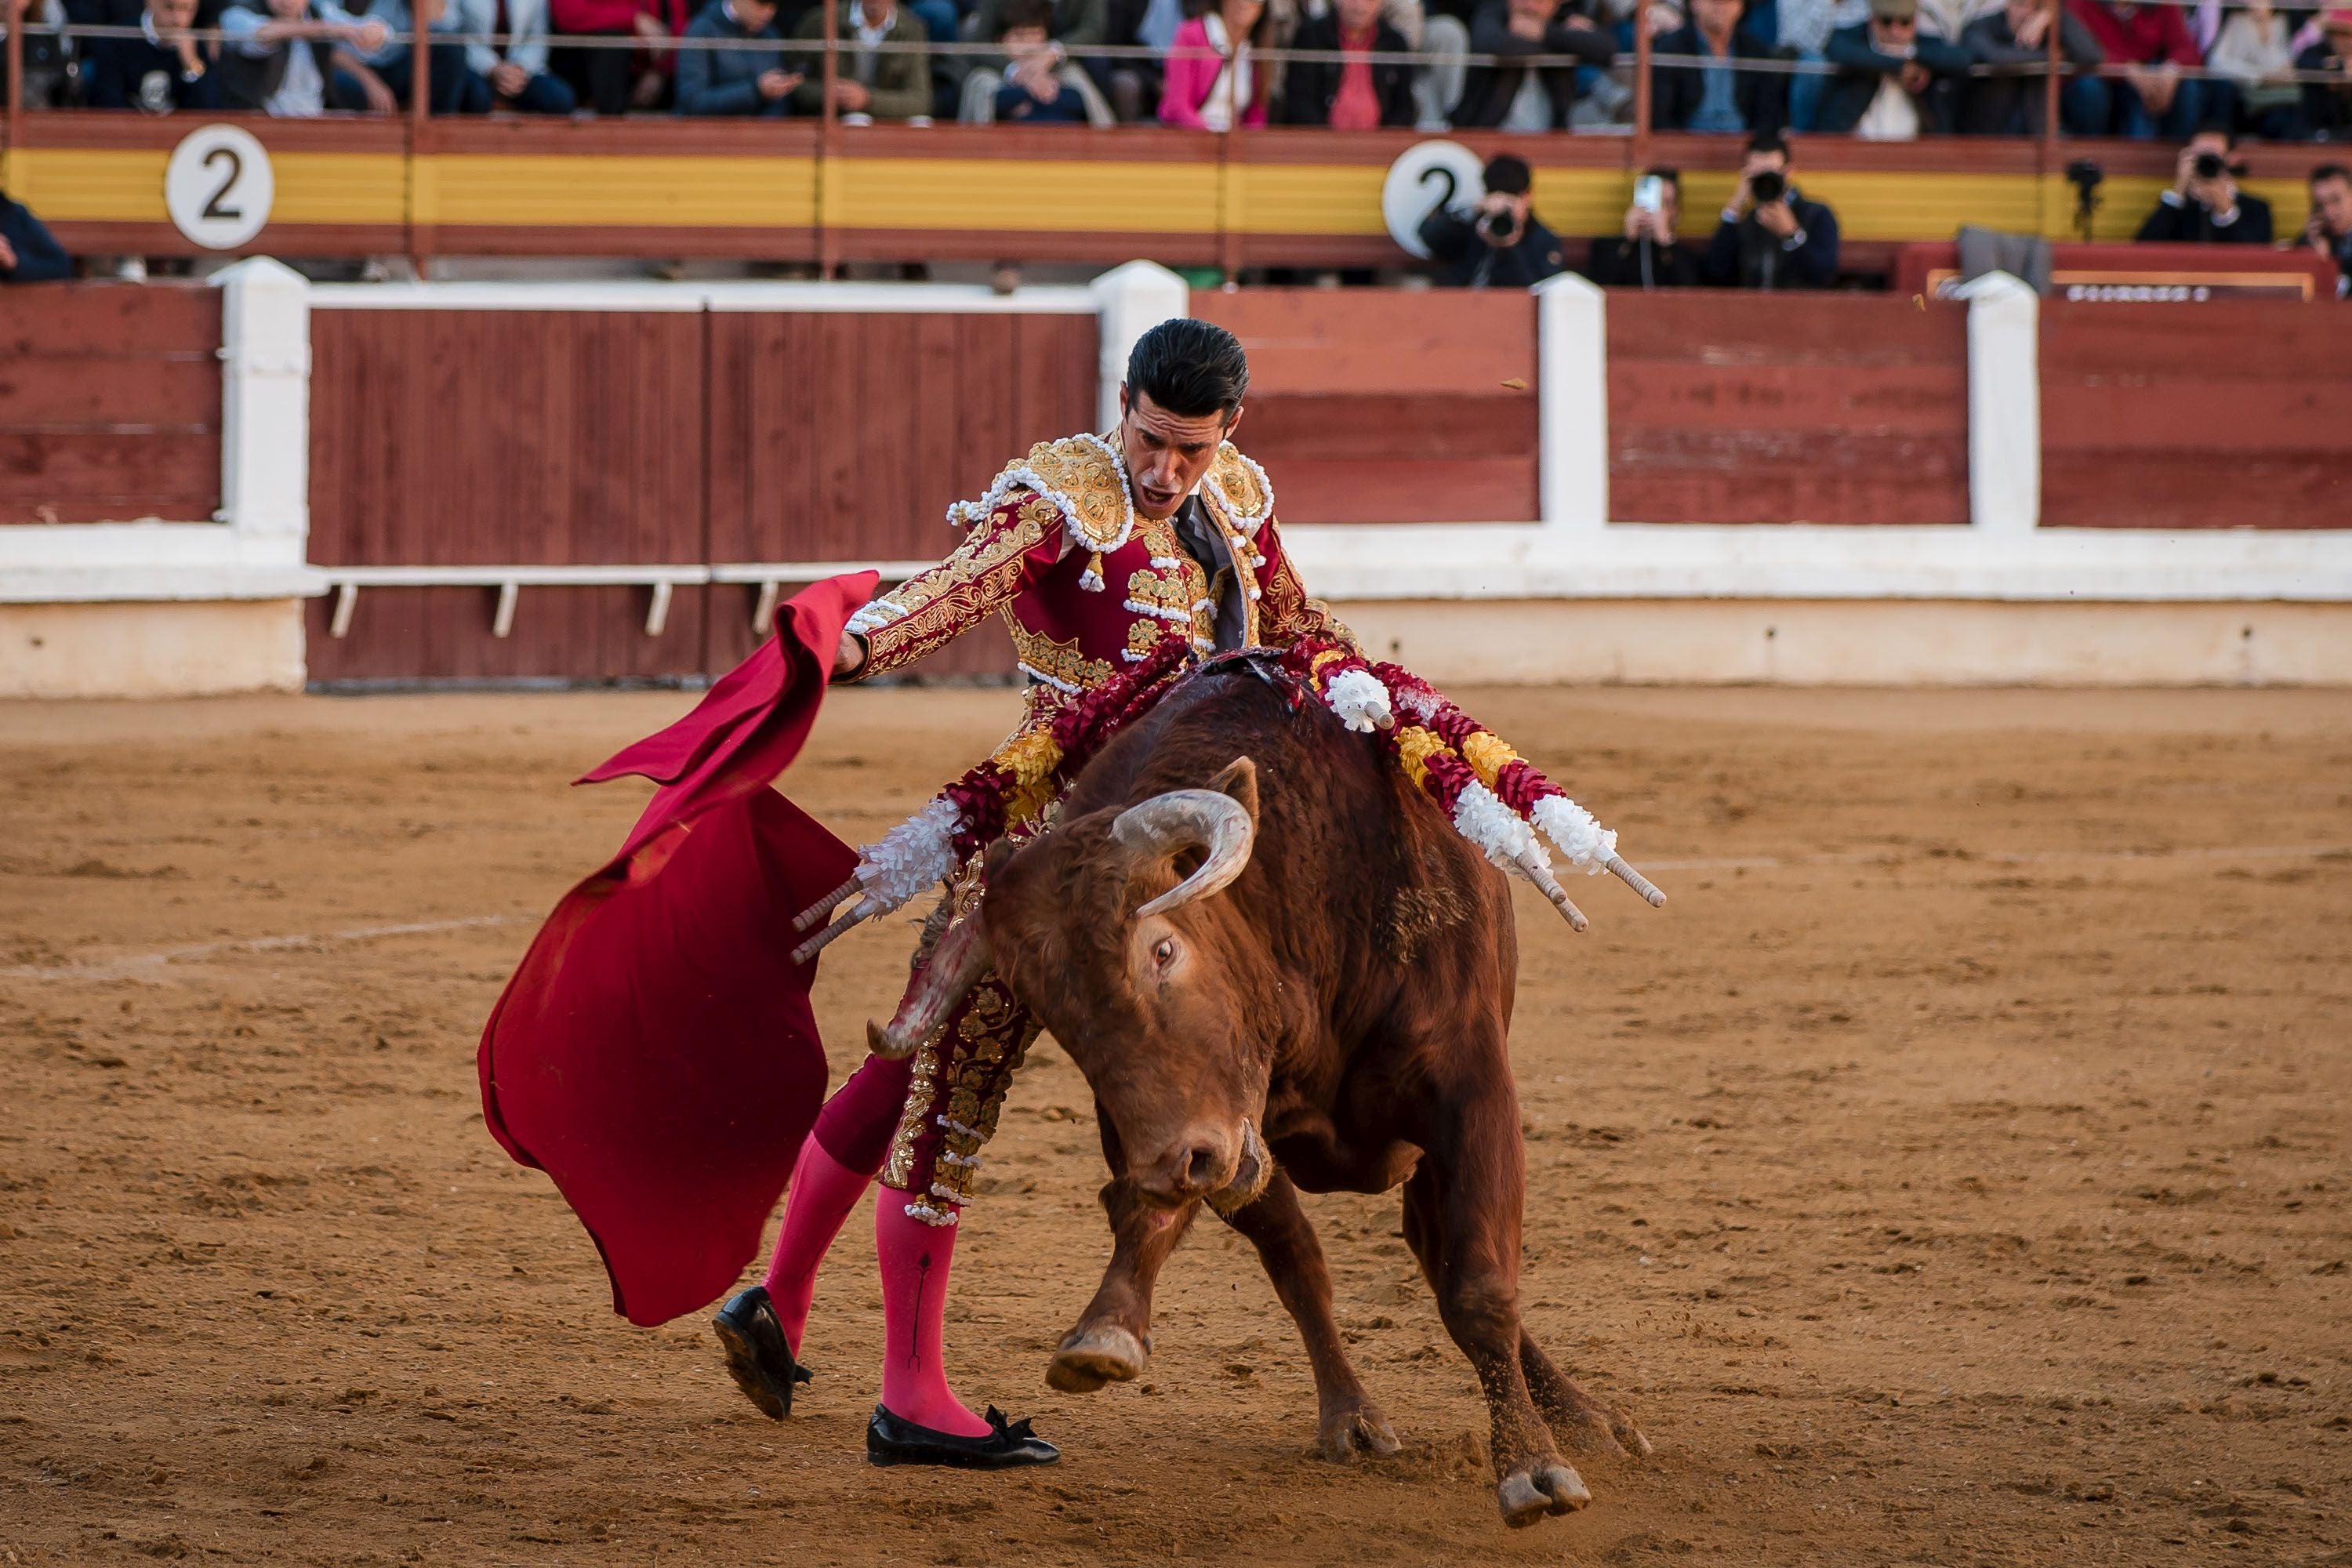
1092, 548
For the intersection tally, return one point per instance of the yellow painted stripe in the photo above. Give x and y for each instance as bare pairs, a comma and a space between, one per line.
1034, 196
340, 188
118, 185
454, 189
90, 184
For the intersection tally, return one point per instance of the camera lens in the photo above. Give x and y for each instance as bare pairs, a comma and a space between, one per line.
1495, 225
1767, 186
2208, 166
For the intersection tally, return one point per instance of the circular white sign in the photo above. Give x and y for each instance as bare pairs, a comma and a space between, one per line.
218, 186
1428, 175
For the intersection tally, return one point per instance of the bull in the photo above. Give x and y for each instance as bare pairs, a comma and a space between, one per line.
1282, 970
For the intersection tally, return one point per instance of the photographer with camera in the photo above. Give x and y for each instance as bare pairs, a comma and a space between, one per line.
1649, 256
1771, 235
1494, 243
2204, 205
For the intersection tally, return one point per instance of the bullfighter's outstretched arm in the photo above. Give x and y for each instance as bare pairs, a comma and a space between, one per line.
1002, 553
1285, 615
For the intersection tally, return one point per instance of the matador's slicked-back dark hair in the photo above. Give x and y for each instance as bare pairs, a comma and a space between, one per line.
1189, 368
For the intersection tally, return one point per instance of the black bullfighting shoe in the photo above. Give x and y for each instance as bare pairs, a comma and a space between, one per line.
757, 1355
894, 1440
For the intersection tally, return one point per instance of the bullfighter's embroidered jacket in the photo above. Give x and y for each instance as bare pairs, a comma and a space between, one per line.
1085, 585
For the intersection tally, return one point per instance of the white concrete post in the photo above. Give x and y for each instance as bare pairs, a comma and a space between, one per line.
1573, 401
265, 405
2004, 404
1131, 300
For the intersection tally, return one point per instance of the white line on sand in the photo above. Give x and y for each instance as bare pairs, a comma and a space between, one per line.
150, 965
2034, 857
145, 966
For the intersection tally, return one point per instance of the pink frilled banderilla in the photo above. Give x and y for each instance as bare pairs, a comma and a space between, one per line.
1497, 798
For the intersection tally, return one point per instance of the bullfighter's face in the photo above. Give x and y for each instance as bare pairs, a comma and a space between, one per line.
1166, 453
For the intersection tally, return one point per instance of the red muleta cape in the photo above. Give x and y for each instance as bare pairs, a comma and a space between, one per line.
655, 1053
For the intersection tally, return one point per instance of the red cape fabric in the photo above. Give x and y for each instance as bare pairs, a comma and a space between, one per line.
655, 1053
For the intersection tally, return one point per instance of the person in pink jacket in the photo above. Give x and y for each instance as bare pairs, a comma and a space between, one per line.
1211, 83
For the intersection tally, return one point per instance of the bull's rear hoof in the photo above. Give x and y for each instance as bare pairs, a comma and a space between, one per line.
1546, 1487
1354, 1430
1090, 1357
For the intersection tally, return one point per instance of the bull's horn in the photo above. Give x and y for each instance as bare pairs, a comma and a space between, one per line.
955, 967
1204, 819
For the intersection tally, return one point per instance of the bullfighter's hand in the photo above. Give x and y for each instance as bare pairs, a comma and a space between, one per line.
849, 657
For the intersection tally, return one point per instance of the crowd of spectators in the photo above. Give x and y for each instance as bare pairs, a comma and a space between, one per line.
1885, 69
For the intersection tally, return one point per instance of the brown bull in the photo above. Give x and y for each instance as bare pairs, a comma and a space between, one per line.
1281, 968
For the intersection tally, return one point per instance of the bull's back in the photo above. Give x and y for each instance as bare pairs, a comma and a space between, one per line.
1359, 885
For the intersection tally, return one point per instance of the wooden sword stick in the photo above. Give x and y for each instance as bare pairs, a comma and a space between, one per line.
826, 905
1549, 885
826, 937
1638, 883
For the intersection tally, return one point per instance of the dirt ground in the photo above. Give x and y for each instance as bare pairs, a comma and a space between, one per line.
1956, 1172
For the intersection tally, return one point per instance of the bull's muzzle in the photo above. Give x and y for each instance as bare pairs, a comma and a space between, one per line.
1225, 1168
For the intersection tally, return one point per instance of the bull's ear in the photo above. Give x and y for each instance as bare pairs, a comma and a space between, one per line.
993, 859
1238, 779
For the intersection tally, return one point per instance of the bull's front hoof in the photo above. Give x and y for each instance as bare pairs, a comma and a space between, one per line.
1090, 1357
1354, 1429
1545, 1487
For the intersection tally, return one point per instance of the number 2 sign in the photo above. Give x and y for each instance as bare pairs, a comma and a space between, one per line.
218, 186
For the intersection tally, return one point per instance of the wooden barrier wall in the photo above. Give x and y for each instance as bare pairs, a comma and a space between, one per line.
110, 404
1829, 409
1367, 406
2234, 414
589, 437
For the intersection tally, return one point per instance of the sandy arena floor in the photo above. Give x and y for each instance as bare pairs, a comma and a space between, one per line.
1956, 1172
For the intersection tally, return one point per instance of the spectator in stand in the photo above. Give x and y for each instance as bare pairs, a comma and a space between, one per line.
1893, 81
1770, 236
612, 79
1518, 96
518, 78
1134, 85
298, 59
1805, 27
871, 80
30, 253
1949, 20
48, 64
1496, 242
1357, 93
1211, 81
2152, 44
1718, 95
1071, 27
2204, 205
2256, 52
2019, 37
747, 78
1033, 81
2329, 228
158, 71
2328, 106
1649, 255
455, 87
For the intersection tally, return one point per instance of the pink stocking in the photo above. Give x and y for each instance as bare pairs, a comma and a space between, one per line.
837, 1160
915, 1258
823, 1190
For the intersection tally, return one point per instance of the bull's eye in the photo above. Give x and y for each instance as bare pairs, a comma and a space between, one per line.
1164, 951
